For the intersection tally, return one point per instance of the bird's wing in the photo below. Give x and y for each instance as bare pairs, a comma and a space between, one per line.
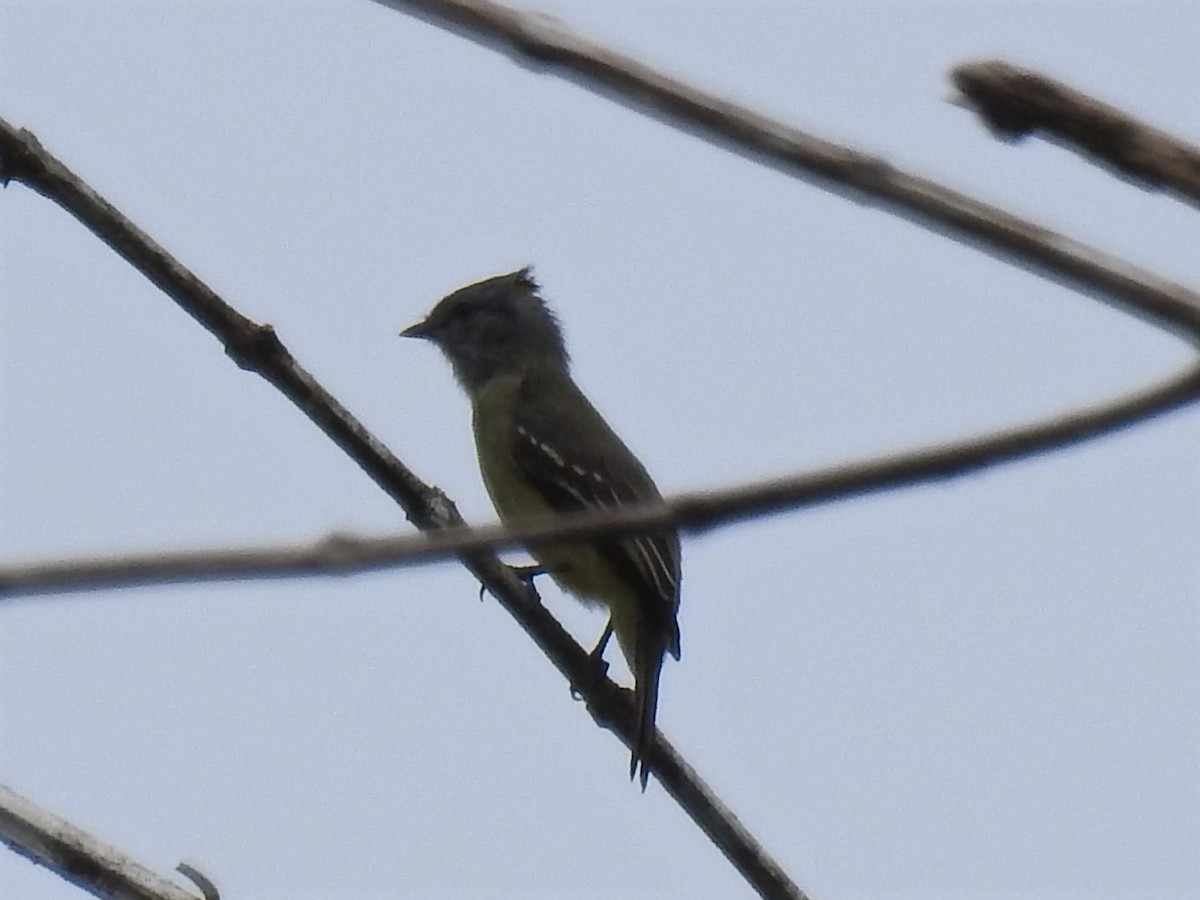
558, 452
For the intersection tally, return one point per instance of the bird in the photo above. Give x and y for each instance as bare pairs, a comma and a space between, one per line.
544, 449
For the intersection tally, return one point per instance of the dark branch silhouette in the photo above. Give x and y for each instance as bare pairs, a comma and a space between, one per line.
343, 554
540, 42
1016, 103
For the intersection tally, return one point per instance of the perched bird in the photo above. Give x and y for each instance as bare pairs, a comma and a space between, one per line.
544, 449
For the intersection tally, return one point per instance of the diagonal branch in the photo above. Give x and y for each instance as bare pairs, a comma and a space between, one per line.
1015, 102
862, 177
48, 840
257, 348
342, 555
543, 42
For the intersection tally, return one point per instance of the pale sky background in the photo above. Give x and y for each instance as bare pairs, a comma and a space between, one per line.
984, 689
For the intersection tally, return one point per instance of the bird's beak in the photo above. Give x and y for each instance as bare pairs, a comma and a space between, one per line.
420, 330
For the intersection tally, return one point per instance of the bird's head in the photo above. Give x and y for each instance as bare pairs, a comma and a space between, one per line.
493, 327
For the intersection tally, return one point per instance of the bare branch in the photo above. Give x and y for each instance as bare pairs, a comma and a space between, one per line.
1015, 102
543, 42
342, 554
862, 177
74, 855
257, 348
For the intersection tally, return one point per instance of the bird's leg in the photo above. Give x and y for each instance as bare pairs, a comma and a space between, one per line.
598, 651
597, 659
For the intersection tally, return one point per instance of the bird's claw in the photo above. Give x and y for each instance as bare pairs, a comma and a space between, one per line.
522, 573
596, 658
599, 670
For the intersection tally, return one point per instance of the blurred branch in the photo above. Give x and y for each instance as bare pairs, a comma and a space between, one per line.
341, 555
257, 348
47, 840
1015, 102
542, 42
862, 177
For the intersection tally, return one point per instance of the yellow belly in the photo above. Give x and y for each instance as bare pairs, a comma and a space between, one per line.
577, 568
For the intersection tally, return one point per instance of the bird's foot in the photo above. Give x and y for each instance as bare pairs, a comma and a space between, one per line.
528, 573
596, 658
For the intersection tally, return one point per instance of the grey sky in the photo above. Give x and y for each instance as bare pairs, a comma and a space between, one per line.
988, 688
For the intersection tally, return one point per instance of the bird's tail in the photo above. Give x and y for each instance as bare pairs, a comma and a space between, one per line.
649, 670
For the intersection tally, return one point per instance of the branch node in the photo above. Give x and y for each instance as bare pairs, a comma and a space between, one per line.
1004, 96
21, 156
252, 348
539, 38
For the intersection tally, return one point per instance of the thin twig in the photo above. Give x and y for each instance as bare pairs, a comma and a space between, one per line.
342, 555
208, 889
1015, 102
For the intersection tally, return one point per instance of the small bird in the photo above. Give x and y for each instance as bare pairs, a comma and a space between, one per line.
544, 449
